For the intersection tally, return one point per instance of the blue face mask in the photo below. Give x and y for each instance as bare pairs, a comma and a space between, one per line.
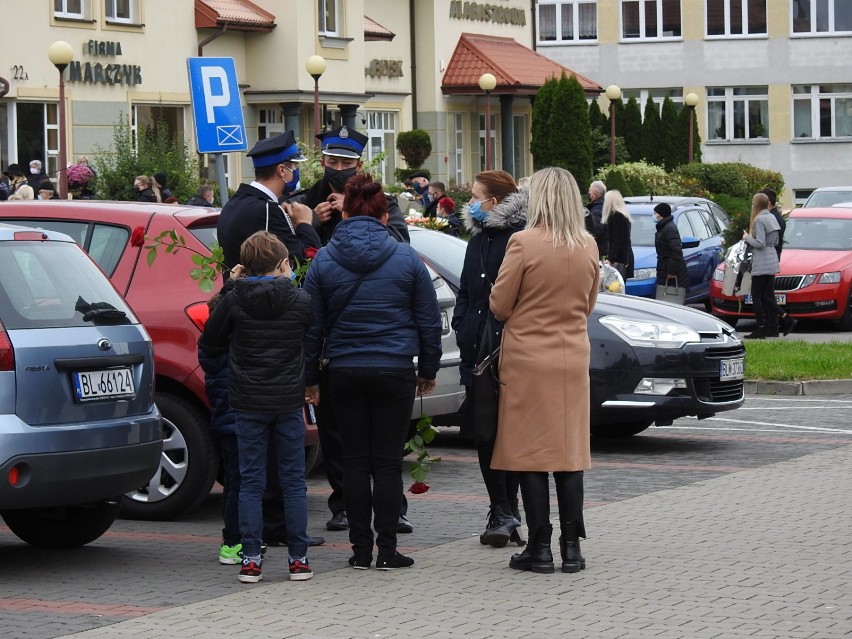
293, 184
292, 276
476, 211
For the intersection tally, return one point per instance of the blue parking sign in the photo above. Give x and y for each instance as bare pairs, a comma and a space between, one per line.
216, 107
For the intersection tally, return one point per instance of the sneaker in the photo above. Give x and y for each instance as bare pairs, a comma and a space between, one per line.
361, 562
231, 555
250, 570
391, 562
404, 526
300, 570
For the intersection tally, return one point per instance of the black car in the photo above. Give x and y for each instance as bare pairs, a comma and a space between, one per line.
651, 362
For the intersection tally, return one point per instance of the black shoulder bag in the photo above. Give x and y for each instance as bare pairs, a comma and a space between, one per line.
323, 360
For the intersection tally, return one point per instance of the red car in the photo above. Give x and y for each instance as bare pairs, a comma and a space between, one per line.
815, 280
173, 310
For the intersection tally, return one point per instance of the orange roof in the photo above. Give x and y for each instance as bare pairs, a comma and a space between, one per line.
374, 31
239, 15
518, 70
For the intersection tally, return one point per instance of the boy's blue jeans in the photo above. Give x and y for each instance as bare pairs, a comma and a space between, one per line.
252, 437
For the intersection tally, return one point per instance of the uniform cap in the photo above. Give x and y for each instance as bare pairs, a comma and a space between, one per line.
275, 150
343, 142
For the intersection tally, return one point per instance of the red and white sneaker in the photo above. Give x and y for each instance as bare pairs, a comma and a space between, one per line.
250, 571
300, 570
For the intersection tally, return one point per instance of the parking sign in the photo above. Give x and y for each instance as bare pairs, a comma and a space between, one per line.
216, 107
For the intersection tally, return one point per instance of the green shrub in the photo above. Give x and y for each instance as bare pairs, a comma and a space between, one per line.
739, 210
414, 146
654, 178
460, 194
615, 180
636, 184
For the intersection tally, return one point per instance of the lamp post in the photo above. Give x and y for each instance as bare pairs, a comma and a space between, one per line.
613, 93
487, 82
315, 66
61, 54
690, 99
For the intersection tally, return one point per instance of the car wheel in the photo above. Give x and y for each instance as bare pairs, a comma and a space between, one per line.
188, 464
63, 526
620, 430
845, 323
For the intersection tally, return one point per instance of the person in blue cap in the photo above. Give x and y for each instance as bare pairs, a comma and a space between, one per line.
341, 159
254, 207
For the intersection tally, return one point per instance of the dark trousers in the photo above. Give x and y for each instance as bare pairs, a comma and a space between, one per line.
331, 443
502, 485
375, 404
230, 489
766, 309
535, 491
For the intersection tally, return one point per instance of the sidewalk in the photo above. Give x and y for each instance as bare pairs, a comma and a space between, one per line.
760, 553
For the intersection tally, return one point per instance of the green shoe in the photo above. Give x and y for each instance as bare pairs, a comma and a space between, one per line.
231, 555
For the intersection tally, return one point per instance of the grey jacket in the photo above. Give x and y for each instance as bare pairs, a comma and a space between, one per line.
766, 230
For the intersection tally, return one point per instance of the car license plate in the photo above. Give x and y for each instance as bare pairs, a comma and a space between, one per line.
731, 369
113, 383
445, 322
781, 298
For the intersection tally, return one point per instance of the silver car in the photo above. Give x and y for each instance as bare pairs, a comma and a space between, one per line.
78, 425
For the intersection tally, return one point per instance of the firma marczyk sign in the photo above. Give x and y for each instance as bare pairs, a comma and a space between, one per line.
98, 73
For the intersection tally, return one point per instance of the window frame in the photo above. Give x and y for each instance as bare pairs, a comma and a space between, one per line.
744, 17
134, 9
64, 14
729, 99
814, 97
643, 26
813, 19
322, 18
559, 5
658, 96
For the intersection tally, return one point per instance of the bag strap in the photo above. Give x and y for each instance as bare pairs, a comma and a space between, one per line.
345, 304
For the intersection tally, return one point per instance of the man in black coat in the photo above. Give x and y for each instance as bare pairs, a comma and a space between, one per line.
254, 207
594, 221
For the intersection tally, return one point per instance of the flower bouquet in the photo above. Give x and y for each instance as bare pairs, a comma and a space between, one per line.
432, 223
78, 176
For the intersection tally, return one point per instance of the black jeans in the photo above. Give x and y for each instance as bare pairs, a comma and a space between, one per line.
766, 309
502, 485
375, 405
331, 444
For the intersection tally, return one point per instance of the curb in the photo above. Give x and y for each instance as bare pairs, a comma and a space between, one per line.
809, 387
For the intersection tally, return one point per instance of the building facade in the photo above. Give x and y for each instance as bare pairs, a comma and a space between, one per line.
385, 67
772, 75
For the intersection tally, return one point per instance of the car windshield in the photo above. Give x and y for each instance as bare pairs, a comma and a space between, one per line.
642, 230
818, 233
55, 284
828, 198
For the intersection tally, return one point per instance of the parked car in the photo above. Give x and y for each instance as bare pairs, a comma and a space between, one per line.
78, 425
173, 309
651, 362
815, 280
700, 223
829, 196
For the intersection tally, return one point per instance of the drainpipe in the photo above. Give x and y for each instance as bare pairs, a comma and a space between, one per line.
411, 24
207, 41
532, 20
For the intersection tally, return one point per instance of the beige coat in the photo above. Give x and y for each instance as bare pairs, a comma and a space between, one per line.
545, 295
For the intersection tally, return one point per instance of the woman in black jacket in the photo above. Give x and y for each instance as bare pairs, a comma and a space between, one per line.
617, 223
146, 189
671, 266
496, 211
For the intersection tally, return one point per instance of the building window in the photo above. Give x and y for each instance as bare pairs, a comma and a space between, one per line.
567, 21
270, 123
147, 120
657, 95
71, 9
736, 17
822, 111
822, 16
329, 17
737, 113
650, 19
381, 131
122, 11
455, 131
492, 147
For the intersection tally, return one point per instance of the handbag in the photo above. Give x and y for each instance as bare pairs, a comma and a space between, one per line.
671, 293
485, 387
323, 360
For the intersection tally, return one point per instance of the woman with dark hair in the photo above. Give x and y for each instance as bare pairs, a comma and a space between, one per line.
375, 310
496, 211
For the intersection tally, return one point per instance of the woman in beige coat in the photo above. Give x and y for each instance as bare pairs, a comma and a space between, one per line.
545, 291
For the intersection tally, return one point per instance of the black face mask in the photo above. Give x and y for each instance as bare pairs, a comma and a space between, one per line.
337, 179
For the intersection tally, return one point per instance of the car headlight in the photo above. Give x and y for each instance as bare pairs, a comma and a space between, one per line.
809, 279
644, 274
649, 333
829, 278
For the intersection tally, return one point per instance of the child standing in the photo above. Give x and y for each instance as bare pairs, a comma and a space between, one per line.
264, 319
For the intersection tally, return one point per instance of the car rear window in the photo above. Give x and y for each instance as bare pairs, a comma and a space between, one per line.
205, 234
54, 284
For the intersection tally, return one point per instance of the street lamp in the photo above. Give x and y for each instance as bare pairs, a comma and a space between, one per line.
61, 54
613, 93
315, 66
487, 82
691, 100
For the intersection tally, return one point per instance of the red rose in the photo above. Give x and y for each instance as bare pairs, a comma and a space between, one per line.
137, 237
418, 488
310, 252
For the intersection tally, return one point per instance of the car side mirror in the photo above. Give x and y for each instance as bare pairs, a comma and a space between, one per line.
689, 242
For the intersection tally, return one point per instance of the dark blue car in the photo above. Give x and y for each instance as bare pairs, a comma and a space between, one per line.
700, 223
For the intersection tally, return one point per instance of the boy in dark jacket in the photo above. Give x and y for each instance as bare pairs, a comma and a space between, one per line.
264, 319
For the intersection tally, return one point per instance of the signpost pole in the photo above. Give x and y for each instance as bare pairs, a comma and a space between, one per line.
220, 177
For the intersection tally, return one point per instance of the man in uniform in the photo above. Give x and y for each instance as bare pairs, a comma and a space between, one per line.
254, 207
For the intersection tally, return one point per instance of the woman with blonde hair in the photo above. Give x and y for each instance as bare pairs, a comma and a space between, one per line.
24, 192
146, 189
763, 236
617, 223
545, 291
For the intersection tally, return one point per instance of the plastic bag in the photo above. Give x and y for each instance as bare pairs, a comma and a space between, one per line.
611, 280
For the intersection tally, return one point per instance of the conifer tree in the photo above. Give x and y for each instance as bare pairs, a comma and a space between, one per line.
633, 129
684, 117
597, 120
651, 142
671, 136
540, 138
569, 129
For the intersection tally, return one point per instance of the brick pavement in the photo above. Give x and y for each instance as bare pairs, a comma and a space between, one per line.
758, 553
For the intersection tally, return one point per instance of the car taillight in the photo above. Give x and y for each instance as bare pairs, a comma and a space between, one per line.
198, 313
7, 353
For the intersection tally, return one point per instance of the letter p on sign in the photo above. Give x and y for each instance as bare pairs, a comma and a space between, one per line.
220, 98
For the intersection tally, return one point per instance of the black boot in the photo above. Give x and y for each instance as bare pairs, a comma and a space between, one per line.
536, 556
489, 523
569, 548
498, 534
757, 333
516, 535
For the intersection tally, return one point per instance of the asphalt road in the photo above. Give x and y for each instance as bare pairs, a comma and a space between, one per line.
142, 567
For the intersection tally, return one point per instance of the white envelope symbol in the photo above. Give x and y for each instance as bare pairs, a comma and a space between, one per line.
229, 134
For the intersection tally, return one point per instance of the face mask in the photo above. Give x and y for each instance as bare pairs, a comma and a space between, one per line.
34, 171
476, 211
292, 276
337, 179
293, 184
420, 188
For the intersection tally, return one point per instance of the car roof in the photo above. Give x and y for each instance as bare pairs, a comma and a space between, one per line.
644, 204
8, 231
823, 211
832, 188
107, 210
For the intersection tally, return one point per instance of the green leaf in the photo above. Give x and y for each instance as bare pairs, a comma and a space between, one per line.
170, 248
196, 274
429, 435
207, 285
199, 259
152, 255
